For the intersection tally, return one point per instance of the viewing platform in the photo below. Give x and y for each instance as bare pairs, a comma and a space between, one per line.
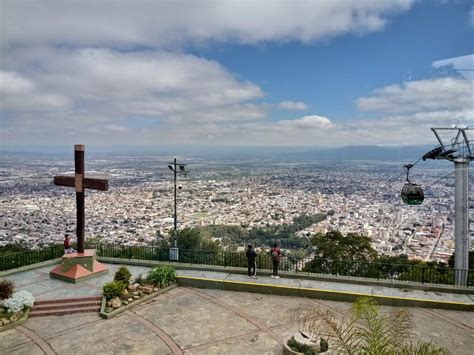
194, 317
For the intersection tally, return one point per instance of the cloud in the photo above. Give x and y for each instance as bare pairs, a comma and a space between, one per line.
431, 95
471, 16
464, 65
156, 24
291, 105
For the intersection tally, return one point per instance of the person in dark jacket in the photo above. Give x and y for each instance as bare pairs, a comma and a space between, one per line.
275, 252
251, 255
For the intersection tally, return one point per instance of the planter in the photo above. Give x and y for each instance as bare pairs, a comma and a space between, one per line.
317, 347
22, 317
123, 308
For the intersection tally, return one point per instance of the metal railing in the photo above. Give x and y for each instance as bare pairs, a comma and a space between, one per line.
24, 258
372, 270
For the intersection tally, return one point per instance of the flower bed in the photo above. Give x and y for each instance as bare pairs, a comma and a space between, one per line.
14, 306
119, 295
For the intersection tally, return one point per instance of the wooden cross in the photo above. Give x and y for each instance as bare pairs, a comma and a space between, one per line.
80, 182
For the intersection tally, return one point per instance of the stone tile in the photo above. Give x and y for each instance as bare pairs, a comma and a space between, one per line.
49, 326
201, 323
11, 338
30, 349
119, 335
258, 343
429, 328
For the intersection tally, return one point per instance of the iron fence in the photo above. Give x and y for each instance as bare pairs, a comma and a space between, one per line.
335, 268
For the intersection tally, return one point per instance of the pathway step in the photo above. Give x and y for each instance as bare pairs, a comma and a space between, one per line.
69, 305
61, 312
69, 300
60, 307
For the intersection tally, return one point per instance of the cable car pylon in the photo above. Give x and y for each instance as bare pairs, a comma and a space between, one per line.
458, 150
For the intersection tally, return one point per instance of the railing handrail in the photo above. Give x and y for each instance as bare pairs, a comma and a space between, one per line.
378, 270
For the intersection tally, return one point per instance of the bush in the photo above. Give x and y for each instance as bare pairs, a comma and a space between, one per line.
162, 275
113, 289
6, 289
123, 275
19, 301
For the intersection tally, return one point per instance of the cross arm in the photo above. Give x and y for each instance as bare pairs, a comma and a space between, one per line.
88, 183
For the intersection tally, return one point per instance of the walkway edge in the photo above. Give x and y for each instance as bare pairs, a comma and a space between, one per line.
342, 296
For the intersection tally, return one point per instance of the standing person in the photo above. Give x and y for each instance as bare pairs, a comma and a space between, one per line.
251, 255
276, 253
67, 245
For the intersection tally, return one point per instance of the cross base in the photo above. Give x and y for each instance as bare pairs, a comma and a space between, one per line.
77, 267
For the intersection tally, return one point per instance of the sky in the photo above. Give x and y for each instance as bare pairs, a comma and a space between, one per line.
221, 73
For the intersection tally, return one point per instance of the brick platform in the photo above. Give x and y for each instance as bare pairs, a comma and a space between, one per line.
77, 267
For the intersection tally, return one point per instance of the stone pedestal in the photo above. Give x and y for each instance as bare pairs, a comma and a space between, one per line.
76, 267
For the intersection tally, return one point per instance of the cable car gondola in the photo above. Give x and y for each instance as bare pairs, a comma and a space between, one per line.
411, 194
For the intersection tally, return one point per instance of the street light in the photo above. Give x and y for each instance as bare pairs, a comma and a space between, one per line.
177, 168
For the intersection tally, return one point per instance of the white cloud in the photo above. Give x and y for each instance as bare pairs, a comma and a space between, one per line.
291, 105
106, 83
431, 95
168, 23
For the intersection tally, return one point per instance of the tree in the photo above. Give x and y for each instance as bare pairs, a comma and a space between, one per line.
189, 239
338, 254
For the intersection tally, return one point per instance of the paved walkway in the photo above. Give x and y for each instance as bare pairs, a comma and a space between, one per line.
200, 321
43, 287
195, 321
339, 287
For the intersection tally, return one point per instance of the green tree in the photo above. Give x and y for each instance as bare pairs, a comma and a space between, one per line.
338, 254
189, 239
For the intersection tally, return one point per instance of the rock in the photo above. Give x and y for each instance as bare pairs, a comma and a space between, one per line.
135, 293
109, 304
125, 293
6, 321
147, 289
124, 303
140, 293
116, 302
109, 309
133, 287
14, 317
155, 289
130, 300
136, 297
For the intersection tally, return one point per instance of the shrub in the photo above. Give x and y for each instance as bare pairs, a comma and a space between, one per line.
113, 289
162, 275
123, 275
6, 289
19, 301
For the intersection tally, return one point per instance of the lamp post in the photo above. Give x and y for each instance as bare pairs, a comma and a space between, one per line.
177, 168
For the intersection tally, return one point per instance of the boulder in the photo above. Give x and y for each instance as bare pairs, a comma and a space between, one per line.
124, 303
136, 297
155, 289
147, 289
125, 293
133, 287
109, 304
130, 300
116, 302
6, 321
135, 293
